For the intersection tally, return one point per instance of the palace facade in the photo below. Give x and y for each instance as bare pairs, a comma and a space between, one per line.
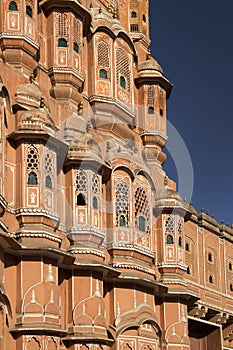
98, 250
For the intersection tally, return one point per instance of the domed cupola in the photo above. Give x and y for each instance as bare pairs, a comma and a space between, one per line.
29, 95
37, 119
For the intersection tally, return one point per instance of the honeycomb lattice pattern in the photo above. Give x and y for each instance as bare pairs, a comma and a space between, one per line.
62, 25
141, 206
103, 55
122, 67
48, 163
180, 227
95, 184
169, 224
81, 181
76, 31
151, 95
122, 202
32, 158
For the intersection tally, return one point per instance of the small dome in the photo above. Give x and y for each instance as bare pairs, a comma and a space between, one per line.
87, 143
28, 95
36, 118
150, 64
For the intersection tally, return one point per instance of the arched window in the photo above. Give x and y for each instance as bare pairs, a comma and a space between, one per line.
48, 182
209, 257
133, 14
13, 6
29, 11
180, 241
76, 47
188, 270
122, 204
142, 224
230, 266
170, 225
231, 287
103, 74
95, 203
161, 112
81, 200
170, 239
122, 221
187, 247
122, 82
151, 110
210, 279
144, 18
122, 69
103, 54
142, 210
62, 42
32, 178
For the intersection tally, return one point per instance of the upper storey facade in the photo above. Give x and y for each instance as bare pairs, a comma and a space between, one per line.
84, 200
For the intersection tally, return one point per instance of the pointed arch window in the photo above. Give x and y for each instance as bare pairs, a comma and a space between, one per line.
144, 18
122, 221
210, 279
151, 110
32, 178
170, 239
142, 224
180, 243
122, 82
76, 47
48, 182
62, 42
133, 14
103, 74
95, 203
13, 6
81, 200
29, 11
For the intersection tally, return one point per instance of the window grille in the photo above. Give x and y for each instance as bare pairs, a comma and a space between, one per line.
62, 25
151, 95
134, 27
95, 184
170, 225
103, 55
32, 158
122, 204
141, 208
122, 67
81, 181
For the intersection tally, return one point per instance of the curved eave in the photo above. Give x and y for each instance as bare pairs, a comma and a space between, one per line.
75, 5
114, 31
155, 77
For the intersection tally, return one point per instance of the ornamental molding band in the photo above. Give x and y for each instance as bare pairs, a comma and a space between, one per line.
98, 249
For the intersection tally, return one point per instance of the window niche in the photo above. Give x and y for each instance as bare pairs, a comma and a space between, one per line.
62, 42
29, 11
32, 178
13, 6
103, 74
170, 239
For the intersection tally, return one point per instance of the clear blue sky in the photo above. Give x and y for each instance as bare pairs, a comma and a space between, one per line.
193, 41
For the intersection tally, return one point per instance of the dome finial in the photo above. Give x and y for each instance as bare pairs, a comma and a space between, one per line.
100, 9
32, 78
88, 127
80, 108
148, 57
109, 7
42, 102
115, 14
166, 181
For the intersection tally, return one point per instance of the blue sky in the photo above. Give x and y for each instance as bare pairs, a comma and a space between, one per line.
193, 41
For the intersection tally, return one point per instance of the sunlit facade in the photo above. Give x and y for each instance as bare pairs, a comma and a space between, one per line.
98, 250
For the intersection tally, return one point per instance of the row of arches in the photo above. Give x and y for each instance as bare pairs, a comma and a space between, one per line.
13, 6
